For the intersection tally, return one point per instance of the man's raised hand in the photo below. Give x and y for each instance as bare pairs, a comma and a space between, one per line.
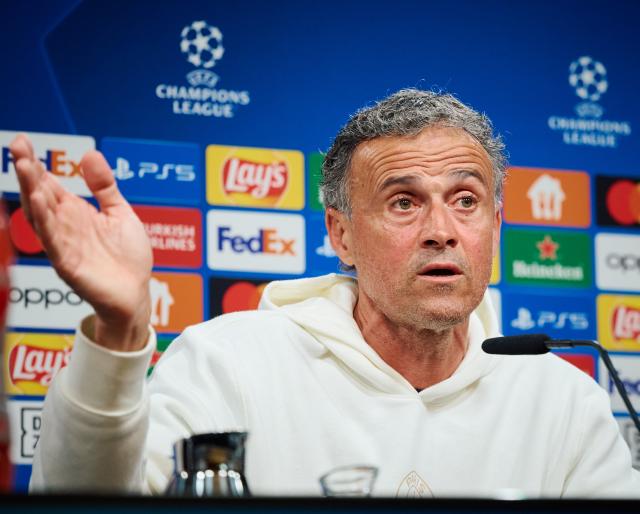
104, 255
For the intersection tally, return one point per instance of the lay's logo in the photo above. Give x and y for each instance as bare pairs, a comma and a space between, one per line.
254, 177
619, 322
33, 360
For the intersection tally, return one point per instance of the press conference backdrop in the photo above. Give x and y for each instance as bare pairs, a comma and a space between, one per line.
213, 116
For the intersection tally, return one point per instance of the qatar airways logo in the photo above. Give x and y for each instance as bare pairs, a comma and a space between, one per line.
256, 241
257, 179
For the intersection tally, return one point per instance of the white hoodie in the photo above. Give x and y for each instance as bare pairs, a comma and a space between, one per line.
314, 396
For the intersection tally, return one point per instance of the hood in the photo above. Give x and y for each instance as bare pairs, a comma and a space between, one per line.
323, 307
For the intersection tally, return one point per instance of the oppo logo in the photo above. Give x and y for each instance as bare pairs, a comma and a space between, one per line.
43, 297
624, 262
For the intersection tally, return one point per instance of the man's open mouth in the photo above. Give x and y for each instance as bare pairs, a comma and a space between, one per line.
441, 270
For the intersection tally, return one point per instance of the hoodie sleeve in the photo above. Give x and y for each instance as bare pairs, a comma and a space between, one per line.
602, 458
105, 429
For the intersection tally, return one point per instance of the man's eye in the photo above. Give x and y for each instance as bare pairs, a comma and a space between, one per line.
467, 202
404, 204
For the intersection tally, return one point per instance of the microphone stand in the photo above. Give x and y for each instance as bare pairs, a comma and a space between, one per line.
559, 343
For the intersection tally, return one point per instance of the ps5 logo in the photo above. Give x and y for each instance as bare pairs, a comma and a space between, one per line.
183, 172
550, 320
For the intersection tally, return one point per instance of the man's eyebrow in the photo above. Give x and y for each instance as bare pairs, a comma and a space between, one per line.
465, 173
403, 180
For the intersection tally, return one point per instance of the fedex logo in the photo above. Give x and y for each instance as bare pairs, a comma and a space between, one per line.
628, 367
266, 241
256, 241
60, 155
155, 171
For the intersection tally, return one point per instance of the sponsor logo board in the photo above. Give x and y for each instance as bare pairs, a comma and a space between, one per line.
588, 79
162, 343
586, 363
618, 262
32, 361
619, 322
60, 154
255, 177
547, 258
256, 241
201, 45
314, 175
233, 295
628, 367
175, 235
321, 256
25, 422
24, 239
632, 438
176, 301
38, 298
155, 171
547, 197
618, 201
568, 317
496, 299
495, 268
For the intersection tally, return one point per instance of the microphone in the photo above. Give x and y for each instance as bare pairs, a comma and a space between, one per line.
536, 344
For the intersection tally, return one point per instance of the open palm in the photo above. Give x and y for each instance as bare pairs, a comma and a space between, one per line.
104, 255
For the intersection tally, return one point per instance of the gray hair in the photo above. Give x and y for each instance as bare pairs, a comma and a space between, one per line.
405, 113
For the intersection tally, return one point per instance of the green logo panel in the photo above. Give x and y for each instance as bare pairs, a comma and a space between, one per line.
314, 174
547, 258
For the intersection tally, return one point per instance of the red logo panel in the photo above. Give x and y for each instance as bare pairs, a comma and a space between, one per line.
175, 235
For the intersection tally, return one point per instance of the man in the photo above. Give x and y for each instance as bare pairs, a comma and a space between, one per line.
384, 370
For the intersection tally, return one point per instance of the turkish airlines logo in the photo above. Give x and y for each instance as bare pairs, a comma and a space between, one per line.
264, 242
59, 153
175, 235
618, 262
618, 201
547, 197
255, 177
619, 322
39, 298
176, 301
33, 360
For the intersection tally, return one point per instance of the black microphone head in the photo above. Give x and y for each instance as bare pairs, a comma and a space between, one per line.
526, 344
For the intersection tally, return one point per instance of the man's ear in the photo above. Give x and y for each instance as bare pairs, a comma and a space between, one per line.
497, 223
340, 234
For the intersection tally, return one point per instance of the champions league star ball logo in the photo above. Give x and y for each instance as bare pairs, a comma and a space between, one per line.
589, 78
202, 44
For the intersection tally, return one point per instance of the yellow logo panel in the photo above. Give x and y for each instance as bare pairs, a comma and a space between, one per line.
619, 322
255, 177
32, 360
495, 269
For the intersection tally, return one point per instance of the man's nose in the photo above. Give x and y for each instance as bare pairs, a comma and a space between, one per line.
439, 229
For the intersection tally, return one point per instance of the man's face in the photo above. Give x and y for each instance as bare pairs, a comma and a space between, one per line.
423, 229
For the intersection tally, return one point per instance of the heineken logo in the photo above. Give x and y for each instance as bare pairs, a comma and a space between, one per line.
547, 258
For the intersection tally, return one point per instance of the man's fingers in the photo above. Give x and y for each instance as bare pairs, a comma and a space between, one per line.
99, 177
45, 225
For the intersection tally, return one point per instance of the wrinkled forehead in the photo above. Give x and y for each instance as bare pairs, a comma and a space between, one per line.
431, 147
